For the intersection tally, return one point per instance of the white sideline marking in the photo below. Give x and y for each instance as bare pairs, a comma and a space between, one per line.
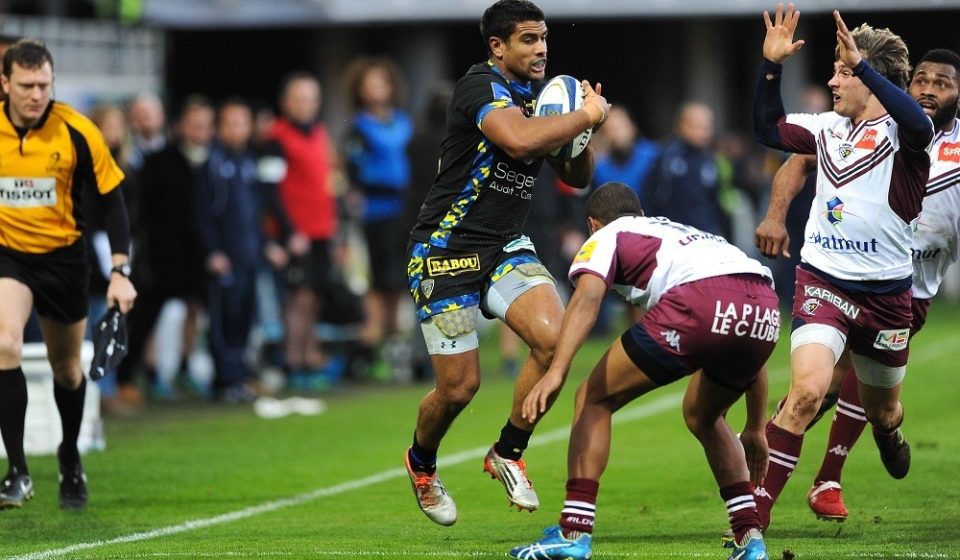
485, 554
641, 410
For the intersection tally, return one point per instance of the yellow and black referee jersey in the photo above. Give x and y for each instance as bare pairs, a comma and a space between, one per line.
43, 171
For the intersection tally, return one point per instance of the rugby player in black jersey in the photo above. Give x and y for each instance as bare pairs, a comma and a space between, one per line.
467, 253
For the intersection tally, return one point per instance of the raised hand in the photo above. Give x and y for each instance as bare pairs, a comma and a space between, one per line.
849, 54
778, 45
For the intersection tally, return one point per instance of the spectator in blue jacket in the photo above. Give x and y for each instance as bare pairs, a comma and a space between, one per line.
686, 183
228, 219
629, 158
380, 173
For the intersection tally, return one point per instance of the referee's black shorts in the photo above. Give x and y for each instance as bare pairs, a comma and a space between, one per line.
58, 279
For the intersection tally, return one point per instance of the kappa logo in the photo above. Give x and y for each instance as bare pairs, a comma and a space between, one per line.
672, 338
810, 306
427, 287
839, 450
893, 339
452, 266
761, 492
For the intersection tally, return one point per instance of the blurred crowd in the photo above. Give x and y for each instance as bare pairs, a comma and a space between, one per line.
269, 255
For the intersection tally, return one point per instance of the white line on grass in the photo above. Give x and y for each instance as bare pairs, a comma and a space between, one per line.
486, 554
641, 410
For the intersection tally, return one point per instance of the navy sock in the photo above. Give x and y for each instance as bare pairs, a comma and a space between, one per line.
421, 458
513, 441
13, 412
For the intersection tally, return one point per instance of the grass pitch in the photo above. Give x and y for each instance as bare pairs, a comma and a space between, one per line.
206, 481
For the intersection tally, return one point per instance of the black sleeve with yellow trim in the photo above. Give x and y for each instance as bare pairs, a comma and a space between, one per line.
103, 170
97, 169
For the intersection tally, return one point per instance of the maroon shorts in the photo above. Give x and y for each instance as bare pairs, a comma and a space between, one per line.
919, 308
726, 325
877, 326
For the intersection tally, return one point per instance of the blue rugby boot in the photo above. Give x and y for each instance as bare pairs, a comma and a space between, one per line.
751, 547
554, 546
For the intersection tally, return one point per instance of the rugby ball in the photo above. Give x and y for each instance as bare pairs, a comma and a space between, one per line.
561, 95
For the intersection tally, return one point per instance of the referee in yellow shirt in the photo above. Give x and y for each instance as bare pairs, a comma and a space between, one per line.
51, 158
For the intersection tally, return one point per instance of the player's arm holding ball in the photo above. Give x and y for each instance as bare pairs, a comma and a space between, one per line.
525, 138
578, 172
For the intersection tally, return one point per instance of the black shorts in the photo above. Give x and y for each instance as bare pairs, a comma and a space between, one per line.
314, 269
443, 280
58, 280
385, 243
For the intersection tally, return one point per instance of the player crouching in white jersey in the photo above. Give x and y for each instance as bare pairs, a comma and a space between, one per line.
710, 311
935, 85
853, 284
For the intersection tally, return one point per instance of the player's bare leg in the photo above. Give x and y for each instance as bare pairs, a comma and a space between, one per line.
812, 368
704, 407
614, 382
536, 316
457, 381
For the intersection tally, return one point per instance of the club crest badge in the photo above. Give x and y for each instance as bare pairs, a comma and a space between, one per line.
427, 287
810, 306
844, 150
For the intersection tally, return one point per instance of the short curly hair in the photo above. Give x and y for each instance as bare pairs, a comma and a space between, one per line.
612, 200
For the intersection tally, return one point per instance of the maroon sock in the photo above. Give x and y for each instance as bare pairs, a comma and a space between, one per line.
580, 506
848, 423
784, 453
741, 508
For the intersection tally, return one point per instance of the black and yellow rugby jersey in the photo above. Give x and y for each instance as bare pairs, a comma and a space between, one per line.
481, 196
42, 176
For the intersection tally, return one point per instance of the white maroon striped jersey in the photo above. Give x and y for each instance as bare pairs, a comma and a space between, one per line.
869, 194
935, 239
640, 257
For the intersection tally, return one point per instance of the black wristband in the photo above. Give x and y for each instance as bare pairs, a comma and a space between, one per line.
122, 270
